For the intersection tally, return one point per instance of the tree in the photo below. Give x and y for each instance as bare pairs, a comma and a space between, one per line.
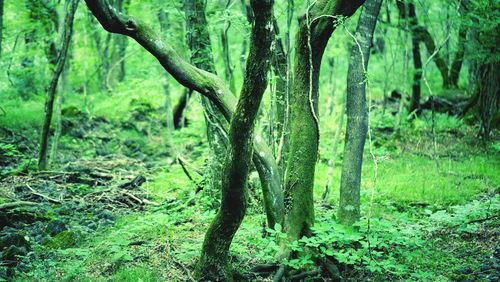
357, 117
408, 13
71, 6
212, 265
482, 20
314, 31
198, 39
420, 34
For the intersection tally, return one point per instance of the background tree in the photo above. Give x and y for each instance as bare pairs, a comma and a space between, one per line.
71, 6
357, 116
314, 31
212, 265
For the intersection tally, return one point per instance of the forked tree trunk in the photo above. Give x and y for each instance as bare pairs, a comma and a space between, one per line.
205, 83
310, 44
212, 265
71, 6
357, 117
420, 33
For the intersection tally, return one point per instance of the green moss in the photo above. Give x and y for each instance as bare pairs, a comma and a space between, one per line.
64, 240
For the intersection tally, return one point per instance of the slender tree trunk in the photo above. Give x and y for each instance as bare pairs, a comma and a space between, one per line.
332, 161
226, 55
102, 49
163, 19
456, 65
198, 39
71, 6
121, 43
357, 117
311, 41
247, 12
407, 12
425, 37
212, 265
61, 89
281, 124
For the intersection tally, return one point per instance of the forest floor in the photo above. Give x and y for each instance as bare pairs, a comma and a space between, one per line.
117, 206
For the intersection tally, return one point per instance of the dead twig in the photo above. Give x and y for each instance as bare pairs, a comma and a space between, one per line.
184, 165
49, 199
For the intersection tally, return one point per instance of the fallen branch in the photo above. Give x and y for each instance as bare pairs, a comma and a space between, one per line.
135, 183
13, 205
184, 165
49, 199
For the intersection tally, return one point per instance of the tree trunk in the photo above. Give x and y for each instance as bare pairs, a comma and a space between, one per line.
310, 44
408, 13
332, 161
121, 43
226, 53
357, 117
198, 39
456, 65
212, 265
70, 6
169, 120
489, 96
205, 83
281, 123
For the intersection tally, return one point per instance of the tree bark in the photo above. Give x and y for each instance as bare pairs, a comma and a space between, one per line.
312, 36
489, 96
407, 12
71, 6
212, 265
357, 116
198, 39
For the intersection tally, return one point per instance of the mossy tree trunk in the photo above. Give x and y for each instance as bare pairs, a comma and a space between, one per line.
212, 265
311, 40
71, 6
198, 39
357, 116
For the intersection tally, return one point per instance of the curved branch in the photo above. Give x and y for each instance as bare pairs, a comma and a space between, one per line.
206, 83
185, 73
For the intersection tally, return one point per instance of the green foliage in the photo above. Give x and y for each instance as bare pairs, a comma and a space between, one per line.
483, 17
